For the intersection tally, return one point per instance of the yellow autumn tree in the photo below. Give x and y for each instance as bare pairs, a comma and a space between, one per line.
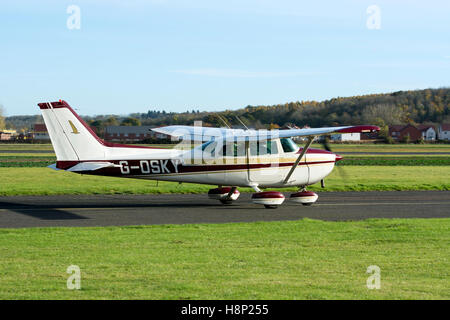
2, 118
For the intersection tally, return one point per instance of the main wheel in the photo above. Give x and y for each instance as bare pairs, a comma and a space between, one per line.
304, 197
270, 199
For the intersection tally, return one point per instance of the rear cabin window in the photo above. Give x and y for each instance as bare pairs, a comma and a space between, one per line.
288, 145
233, 149
260, 148
229, 150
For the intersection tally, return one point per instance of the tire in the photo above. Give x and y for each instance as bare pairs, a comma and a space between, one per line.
308, 204
270, 206
226, 201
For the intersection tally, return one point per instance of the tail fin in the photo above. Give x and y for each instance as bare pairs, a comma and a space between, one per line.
71, 137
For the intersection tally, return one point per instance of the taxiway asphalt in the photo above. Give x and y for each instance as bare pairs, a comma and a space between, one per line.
121, 210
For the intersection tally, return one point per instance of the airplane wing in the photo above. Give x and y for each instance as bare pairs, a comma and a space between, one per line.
197, 133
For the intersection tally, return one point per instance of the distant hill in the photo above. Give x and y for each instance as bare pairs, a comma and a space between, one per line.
401, 107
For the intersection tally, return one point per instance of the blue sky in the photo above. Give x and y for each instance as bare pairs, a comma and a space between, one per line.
132, 56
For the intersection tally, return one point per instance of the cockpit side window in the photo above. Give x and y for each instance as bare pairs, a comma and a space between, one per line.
206, 144
209, 147
288, 145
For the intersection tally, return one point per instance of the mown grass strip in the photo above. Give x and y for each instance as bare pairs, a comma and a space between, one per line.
11, 155
25, 146
26, 164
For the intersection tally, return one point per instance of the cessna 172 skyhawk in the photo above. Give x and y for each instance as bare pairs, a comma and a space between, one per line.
229, 158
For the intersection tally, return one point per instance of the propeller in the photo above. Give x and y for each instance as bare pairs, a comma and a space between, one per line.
326, 143
341, 171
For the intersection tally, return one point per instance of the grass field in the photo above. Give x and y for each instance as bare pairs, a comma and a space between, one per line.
304, 259
25, 146
44, 181
11, 155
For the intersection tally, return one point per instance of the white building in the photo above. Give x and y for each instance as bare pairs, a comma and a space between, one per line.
444, 131
428, 132
356, 136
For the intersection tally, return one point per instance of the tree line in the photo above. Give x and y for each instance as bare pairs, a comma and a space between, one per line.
430, 106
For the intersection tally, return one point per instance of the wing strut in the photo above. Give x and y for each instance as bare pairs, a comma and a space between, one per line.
305, 149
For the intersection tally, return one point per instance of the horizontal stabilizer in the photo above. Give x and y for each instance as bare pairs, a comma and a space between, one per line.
92, 166
53, 166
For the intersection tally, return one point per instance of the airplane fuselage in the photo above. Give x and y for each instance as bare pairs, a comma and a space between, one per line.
245, 171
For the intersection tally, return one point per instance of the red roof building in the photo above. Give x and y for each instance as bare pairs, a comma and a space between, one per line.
39, 127
399, 132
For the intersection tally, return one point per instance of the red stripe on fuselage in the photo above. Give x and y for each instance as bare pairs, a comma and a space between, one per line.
314, 151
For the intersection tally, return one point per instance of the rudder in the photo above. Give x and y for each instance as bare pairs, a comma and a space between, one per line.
71, 137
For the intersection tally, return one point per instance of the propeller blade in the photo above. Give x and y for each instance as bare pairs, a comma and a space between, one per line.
326, 145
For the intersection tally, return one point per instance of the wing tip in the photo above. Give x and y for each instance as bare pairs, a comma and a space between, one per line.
359, 129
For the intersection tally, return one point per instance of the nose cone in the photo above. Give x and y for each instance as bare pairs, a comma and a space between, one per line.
338, 158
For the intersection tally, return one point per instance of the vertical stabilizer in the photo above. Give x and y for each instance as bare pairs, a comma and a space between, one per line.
71, 137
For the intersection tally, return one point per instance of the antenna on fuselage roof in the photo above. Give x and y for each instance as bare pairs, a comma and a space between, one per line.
223, 120
242, 122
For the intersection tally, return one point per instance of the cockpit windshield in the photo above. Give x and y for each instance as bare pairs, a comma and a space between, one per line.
288, 145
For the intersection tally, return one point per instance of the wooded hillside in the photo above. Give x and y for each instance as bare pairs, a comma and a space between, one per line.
402, 107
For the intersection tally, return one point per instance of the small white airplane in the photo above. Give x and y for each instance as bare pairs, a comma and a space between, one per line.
228, 158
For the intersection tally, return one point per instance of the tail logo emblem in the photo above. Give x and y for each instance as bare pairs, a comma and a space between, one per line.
74, 129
